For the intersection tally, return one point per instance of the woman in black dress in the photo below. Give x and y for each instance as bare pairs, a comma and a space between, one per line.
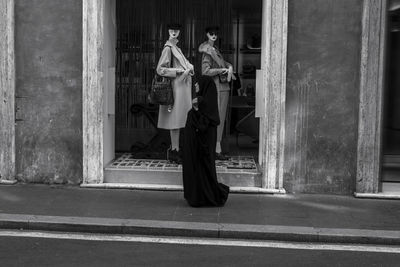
201, 187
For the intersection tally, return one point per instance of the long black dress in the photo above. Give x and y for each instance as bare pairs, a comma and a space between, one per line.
201, 187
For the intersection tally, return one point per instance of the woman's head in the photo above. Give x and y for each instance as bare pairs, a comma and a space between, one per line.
209, 98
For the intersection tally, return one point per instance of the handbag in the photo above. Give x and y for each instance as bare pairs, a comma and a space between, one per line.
161, 92
223, 78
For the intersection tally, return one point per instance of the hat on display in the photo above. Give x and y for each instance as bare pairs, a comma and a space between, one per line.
174, 26
212, 29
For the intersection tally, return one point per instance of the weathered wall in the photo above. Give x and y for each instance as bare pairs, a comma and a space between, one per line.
49, 90
322, 95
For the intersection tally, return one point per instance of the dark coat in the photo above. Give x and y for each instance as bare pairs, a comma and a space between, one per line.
201, 187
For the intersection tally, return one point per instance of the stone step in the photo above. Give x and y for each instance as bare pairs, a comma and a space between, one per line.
129, 171
174, 177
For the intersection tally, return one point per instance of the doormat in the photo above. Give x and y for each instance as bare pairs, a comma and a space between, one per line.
234, 163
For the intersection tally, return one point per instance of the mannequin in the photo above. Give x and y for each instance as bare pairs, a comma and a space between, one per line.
173, 118
214, 65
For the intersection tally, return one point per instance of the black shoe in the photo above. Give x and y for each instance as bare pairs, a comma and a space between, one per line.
220, 156
174, 156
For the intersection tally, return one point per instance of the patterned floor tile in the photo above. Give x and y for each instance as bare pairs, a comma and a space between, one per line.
236, 163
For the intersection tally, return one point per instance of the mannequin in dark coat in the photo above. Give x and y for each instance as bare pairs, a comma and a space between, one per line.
201, 187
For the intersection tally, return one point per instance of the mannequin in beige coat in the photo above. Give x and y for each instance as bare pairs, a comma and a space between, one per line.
181, 72
213, 64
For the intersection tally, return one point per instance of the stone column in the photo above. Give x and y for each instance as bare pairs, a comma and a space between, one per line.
273, 64
371, 96
7, 93
93, 91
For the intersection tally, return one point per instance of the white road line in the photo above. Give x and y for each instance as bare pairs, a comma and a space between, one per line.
202, 241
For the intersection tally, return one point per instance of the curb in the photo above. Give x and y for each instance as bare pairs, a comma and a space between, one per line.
377, 195
196, 229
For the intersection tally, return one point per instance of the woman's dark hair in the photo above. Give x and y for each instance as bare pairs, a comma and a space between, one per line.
208, 99
194, 81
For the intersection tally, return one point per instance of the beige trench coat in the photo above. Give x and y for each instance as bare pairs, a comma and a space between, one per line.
182, 86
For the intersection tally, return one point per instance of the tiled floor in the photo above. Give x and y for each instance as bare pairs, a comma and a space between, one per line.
126, 161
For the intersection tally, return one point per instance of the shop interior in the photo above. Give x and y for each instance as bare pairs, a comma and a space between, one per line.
391, 133
141, 34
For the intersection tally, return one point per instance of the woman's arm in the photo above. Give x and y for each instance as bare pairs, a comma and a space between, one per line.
196, 101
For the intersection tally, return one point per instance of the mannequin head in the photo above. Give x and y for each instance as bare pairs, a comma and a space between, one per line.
174, 30
212, 33
212, 36
173, 34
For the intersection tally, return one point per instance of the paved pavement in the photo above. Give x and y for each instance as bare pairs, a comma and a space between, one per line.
102, 250
323, 218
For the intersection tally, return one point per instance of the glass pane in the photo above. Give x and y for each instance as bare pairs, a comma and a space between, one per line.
141, 35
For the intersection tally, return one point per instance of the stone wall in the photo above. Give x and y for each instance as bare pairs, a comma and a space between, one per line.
48, 48
324, 45
322, 93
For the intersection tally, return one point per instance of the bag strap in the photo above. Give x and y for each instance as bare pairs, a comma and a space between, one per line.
172, 57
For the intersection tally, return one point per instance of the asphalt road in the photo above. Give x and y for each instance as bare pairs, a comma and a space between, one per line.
49, 249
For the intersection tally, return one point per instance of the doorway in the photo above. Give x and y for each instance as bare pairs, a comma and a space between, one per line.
141, 34
391, 142
273, 95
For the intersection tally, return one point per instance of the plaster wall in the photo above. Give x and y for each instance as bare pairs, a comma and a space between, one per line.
324, 44
321, 106
48, 48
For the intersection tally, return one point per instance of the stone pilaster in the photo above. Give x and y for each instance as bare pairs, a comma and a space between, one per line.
7, 93
273, 65
371, 96
93, 91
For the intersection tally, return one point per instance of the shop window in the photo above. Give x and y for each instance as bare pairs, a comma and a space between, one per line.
141, 35
391, 133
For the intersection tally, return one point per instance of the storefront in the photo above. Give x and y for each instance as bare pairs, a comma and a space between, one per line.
319, 107
129, 46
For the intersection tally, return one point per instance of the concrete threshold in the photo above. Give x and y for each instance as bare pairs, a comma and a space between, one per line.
378, 195
161, 187
7, 182
197, 229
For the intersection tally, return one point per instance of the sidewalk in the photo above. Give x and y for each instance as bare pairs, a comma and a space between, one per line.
314, 218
